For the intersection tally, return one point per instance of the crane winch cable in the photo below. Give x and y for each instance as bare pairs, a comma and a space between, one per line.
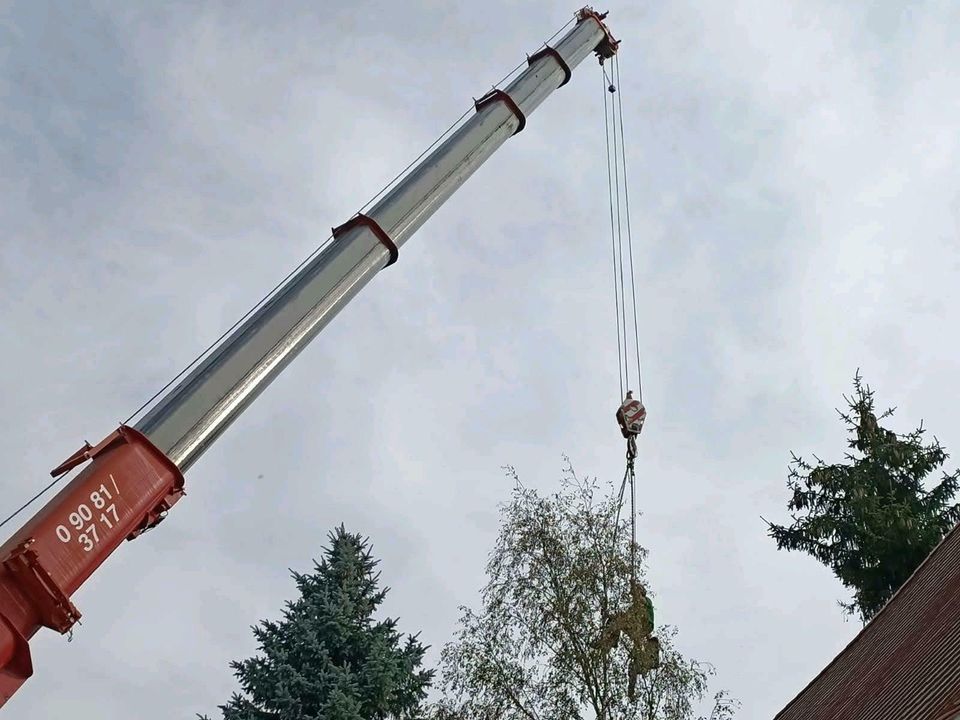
613, 235
621, 240
621, 233
626, 208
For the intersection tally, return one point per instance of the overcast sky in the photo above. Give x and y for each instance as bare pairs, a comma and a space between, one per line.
794, 192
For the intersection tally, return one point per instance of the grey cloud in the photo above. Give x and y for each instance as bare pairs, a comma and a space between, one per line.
794, 215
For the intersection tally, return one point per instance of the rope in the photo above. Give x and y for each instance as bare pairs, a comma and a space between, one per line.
524, 63
621, 351
633, 522
229, 330
626, 200
623, 298
621, 243
266, 297
628, 477
616, 526
621, 232
564, 27
33, 499
419, 157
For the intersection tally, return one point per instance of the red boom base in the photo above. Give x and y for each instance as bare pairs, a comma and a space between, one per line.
127, 489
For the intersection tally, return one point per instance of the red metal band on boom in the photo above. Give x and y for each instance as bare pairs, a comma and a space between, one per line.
548, 51
127, 488
494, 96
374, 227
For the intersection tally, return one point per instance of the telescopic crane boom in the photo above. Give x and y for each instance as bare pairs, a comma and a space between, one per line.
135, 475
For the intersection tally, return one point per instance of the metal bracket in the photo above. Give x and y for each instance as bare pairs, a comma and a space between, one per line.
56, 610
609, 45
374, 227
87, 452
158, 514
495, 95
548, 51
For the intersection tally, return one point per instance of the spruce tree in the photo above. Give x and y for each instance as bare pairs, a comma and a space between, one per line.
873, 518
328, 657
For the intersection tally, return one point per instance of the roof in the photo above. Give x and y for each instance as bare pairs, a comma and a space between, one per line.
905, 663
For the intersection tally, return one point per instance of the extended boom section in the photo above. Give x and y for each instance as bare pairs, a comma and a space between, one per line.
190, 417
135, 475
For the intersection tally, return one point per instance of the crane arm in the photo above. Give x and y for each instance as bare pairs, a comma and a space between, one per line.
135, 475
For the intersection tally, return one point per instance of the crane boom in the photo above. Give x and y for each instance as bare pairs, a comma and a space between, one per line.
135, 475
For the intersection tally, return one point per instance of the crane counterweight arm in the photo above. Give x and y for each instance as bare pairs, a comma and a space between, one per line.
135, 475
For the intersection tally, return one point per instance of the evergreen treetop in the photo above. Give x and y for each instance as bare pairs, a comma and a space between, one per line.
328, 657
875, 517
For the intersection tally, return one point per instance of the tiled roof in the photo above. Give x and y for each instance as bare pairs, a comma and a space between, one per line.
905, 664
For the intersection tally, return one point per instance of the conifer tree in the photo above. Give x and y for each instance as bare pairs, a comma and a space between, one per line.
328, 657
873, 518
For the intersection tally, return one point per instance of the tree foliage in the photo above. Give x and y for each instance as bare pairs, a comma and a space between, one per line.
559, 569
873, 518
328, 657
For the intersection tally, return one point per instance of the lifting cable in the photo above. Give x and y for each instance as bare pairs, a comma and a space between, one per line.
624, 284
621, 236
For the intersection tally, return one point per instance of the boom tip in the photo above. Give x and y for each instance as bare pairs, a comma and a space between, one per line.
609, 45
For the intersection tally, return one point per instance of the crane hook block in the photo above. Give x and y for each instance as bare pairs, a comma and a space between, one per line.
631, 416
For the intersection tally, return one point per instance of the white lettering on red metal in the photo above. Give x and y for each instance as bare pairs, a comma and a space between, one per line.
87, 519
